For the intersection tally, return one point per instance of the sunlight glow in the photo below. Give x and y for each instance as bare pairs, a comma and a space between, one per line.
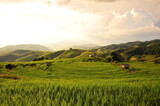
96, 21
36, 23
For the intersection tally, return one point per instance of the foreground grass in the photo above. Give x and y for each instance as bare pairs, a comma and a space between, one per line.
73, 83
80, 93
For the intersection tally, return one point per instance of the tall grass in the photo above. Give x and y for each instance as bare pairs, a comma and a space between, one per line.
69, 82
80, 93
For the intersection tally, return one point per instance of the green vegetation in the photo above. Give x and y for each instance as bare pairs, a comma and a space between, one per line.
49, 55
71, 53
98, 54
128, 45
137, 51
80, 93
20, 55
71, 82
77, 77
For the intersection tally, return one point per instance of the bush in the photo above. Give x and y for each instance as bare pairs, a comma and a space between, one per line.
156, 61
10, 66
116, 57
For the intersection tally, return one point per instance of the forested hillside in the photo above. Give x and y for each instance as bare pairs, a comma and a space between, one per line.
126, 45
20, 55
148, 50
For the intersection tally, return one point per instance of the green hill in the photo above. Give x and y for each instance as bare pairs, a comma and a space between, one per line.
147, 52
20, 55
30, 57
98, 54
71, 53
50, 55
126, 45
11, 48
72, 81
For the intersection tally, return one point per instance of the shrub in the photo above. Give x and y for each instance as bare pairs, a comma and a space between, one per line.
10, 66
156, 61
116, 57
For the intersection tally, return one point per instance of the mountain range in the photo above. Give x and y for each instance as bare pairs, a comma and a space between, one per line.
34, 47
147, 50
125, 45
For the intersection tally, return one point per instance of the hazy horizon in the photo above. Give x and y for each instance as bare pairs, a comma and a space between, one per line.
100, 22
68, 45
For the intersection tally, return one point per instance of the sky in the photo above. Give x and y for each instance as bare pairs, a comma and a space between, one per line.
101, 22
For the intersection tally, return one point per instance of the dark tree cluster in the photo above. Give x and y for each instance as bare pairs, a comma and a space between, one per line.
157, 61
116, 57
39, 59
10, 66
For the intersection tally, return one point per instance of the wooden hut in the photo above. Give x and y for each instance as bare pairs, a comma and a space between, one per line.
125, 66
92, 55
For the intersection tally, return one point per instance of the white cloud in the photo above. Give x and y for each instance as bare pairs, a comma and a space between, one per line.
110, 21
130, 20
37, 23
129, 26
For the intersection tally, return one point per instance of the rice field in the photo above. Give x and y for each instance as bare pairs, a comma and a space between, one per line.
70, 83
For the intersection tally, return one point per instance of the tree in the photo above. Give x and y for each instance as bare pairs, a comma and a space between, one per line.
116, 57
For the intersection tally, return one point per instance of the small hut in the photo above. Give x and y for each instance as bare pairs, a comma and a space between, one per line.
125, 66
92, 55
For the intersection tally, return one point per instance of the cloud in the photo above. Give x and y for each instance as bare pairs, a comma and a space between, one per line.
158, 1
63, 2
13, 1
67, 2
59, 2
104, 0
96, 21
131, 25
132, 20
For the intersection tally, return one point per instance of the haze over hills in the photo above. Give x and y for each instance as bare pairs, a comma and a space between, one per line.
85, 46
76, 45
26, 47
34, 47
20, 55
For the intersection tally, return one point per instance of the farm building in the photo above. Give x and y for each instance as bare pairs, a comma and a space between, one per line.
125, 66
92, 55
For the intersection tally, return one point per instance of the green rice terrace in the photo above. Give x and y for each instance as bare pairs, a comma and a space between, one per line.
77, 82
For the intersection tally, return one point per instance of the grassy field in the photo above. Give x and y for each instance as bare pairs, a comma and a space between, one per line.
71, 82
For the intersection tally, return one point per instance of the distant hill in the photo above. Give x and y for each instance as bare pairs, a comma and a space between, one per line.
147, 50
98, 54
10, 48
25, 47
85, 46
71, 53
151, 50
20, 55
50, 55
125, 45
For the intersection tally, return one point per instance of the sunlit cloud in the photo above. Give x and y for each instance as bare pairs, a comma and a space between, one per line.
131, 25
96, 21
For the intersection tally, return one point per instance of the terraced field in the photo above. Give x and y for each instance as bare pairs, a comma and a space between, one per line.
71, 82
